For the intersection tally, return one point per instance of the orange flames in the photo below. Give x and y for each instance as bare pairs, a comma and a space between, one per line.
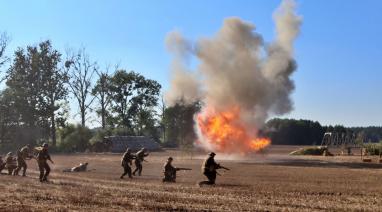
224, 132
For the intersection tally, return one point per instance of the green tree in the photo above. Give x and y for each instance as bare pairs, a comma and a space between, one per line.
101, 91
179, 124
133, 100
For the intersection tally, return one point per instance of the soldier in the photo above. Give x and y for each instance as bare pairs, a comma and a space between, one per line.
139, 158
80, 168
43, 166
170, 172
22, 155
126, 162
209, 169
2, 164
10, 163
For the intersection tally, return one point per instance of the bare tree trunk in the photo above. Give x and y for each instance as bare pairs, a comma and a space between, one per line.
103, 111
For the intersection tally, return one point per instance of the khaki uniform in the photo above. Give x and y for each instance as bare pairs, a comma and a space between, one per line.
126, 162
209, 169
2, 165
10, 164
22, 155
169, 172
43, 166
140, 156
80, 168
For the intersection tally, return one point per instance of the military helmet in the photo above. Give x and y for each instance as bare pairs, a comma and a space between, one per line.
10, 153
128, 150
169, 158
44, 145
211, 154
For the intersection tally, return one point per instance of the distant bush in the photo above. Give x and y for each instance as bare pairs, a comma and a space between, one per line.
315, 150
74, 139
373, 148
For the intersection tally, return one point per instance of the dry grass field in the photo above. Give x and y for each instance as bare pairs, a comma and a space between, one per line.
268, 182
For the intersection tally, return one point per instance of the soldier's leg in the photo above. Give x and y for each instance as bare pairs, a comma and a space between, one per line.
42, 170
124, 171
16, 170
24, 169
47, 171
10, 171
129, 171
212, 177
140, 169
137, 163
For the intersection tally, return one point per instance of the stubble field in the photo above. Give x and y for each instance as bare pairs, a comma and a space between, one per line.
266, 182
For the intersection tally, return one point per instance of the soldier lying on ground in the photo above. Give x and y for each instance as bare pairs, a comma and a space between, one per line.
209, 169
42, 158
126, 162
22, 155
140, 157
10, 163
170, 172
80, 168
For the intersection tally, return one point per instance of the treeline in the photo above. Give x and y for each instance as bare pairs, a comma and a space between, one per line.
39, 81
306, 132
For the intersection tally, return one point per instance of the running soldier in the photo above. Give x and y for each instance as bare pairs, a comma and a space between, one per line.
170, 172
126, 162
22, 155
43, 166
209, 169
139, 158
10, 163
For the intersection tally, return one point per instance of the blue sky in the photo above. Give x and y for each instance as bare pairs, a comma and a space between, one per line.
339, 77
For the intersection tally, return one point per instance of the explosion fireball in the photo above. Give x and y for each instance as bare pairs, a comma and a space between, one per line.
240, 79
223, 132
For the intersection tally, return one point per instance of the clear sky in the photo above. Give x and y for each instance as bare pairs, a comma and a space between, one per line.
339, 50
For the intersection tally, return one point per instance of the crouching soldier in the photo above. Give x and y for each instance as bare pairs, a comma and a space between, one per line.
126, 162
22, 155
42, 157
10, 163
169, 171
209, 169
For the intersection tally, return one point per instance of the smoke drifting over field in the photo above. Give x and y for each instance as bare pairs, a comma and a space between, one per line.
240, 79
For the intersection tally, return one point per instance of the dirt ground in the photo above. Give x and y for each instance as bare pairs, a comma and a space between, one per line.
272, 181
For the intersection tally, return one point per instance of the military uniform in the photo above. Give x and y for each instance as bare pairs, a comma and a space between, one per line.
209, 168
126, 163
169, 171
2, 164
140, 155
80, 168
22, 155
10, 163
43, 166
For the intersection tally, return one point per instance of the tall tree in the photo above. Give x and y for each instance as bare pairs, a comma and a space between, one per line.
54, 91
101, 91
133, 99
80, 72
37, 83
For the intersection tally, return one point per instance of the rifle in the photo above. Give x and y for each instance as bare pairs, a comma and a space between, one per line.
185, 169
222, 167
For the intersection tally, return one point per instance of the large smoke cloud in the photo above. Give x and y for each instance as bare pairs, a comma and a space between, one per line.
237, 69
